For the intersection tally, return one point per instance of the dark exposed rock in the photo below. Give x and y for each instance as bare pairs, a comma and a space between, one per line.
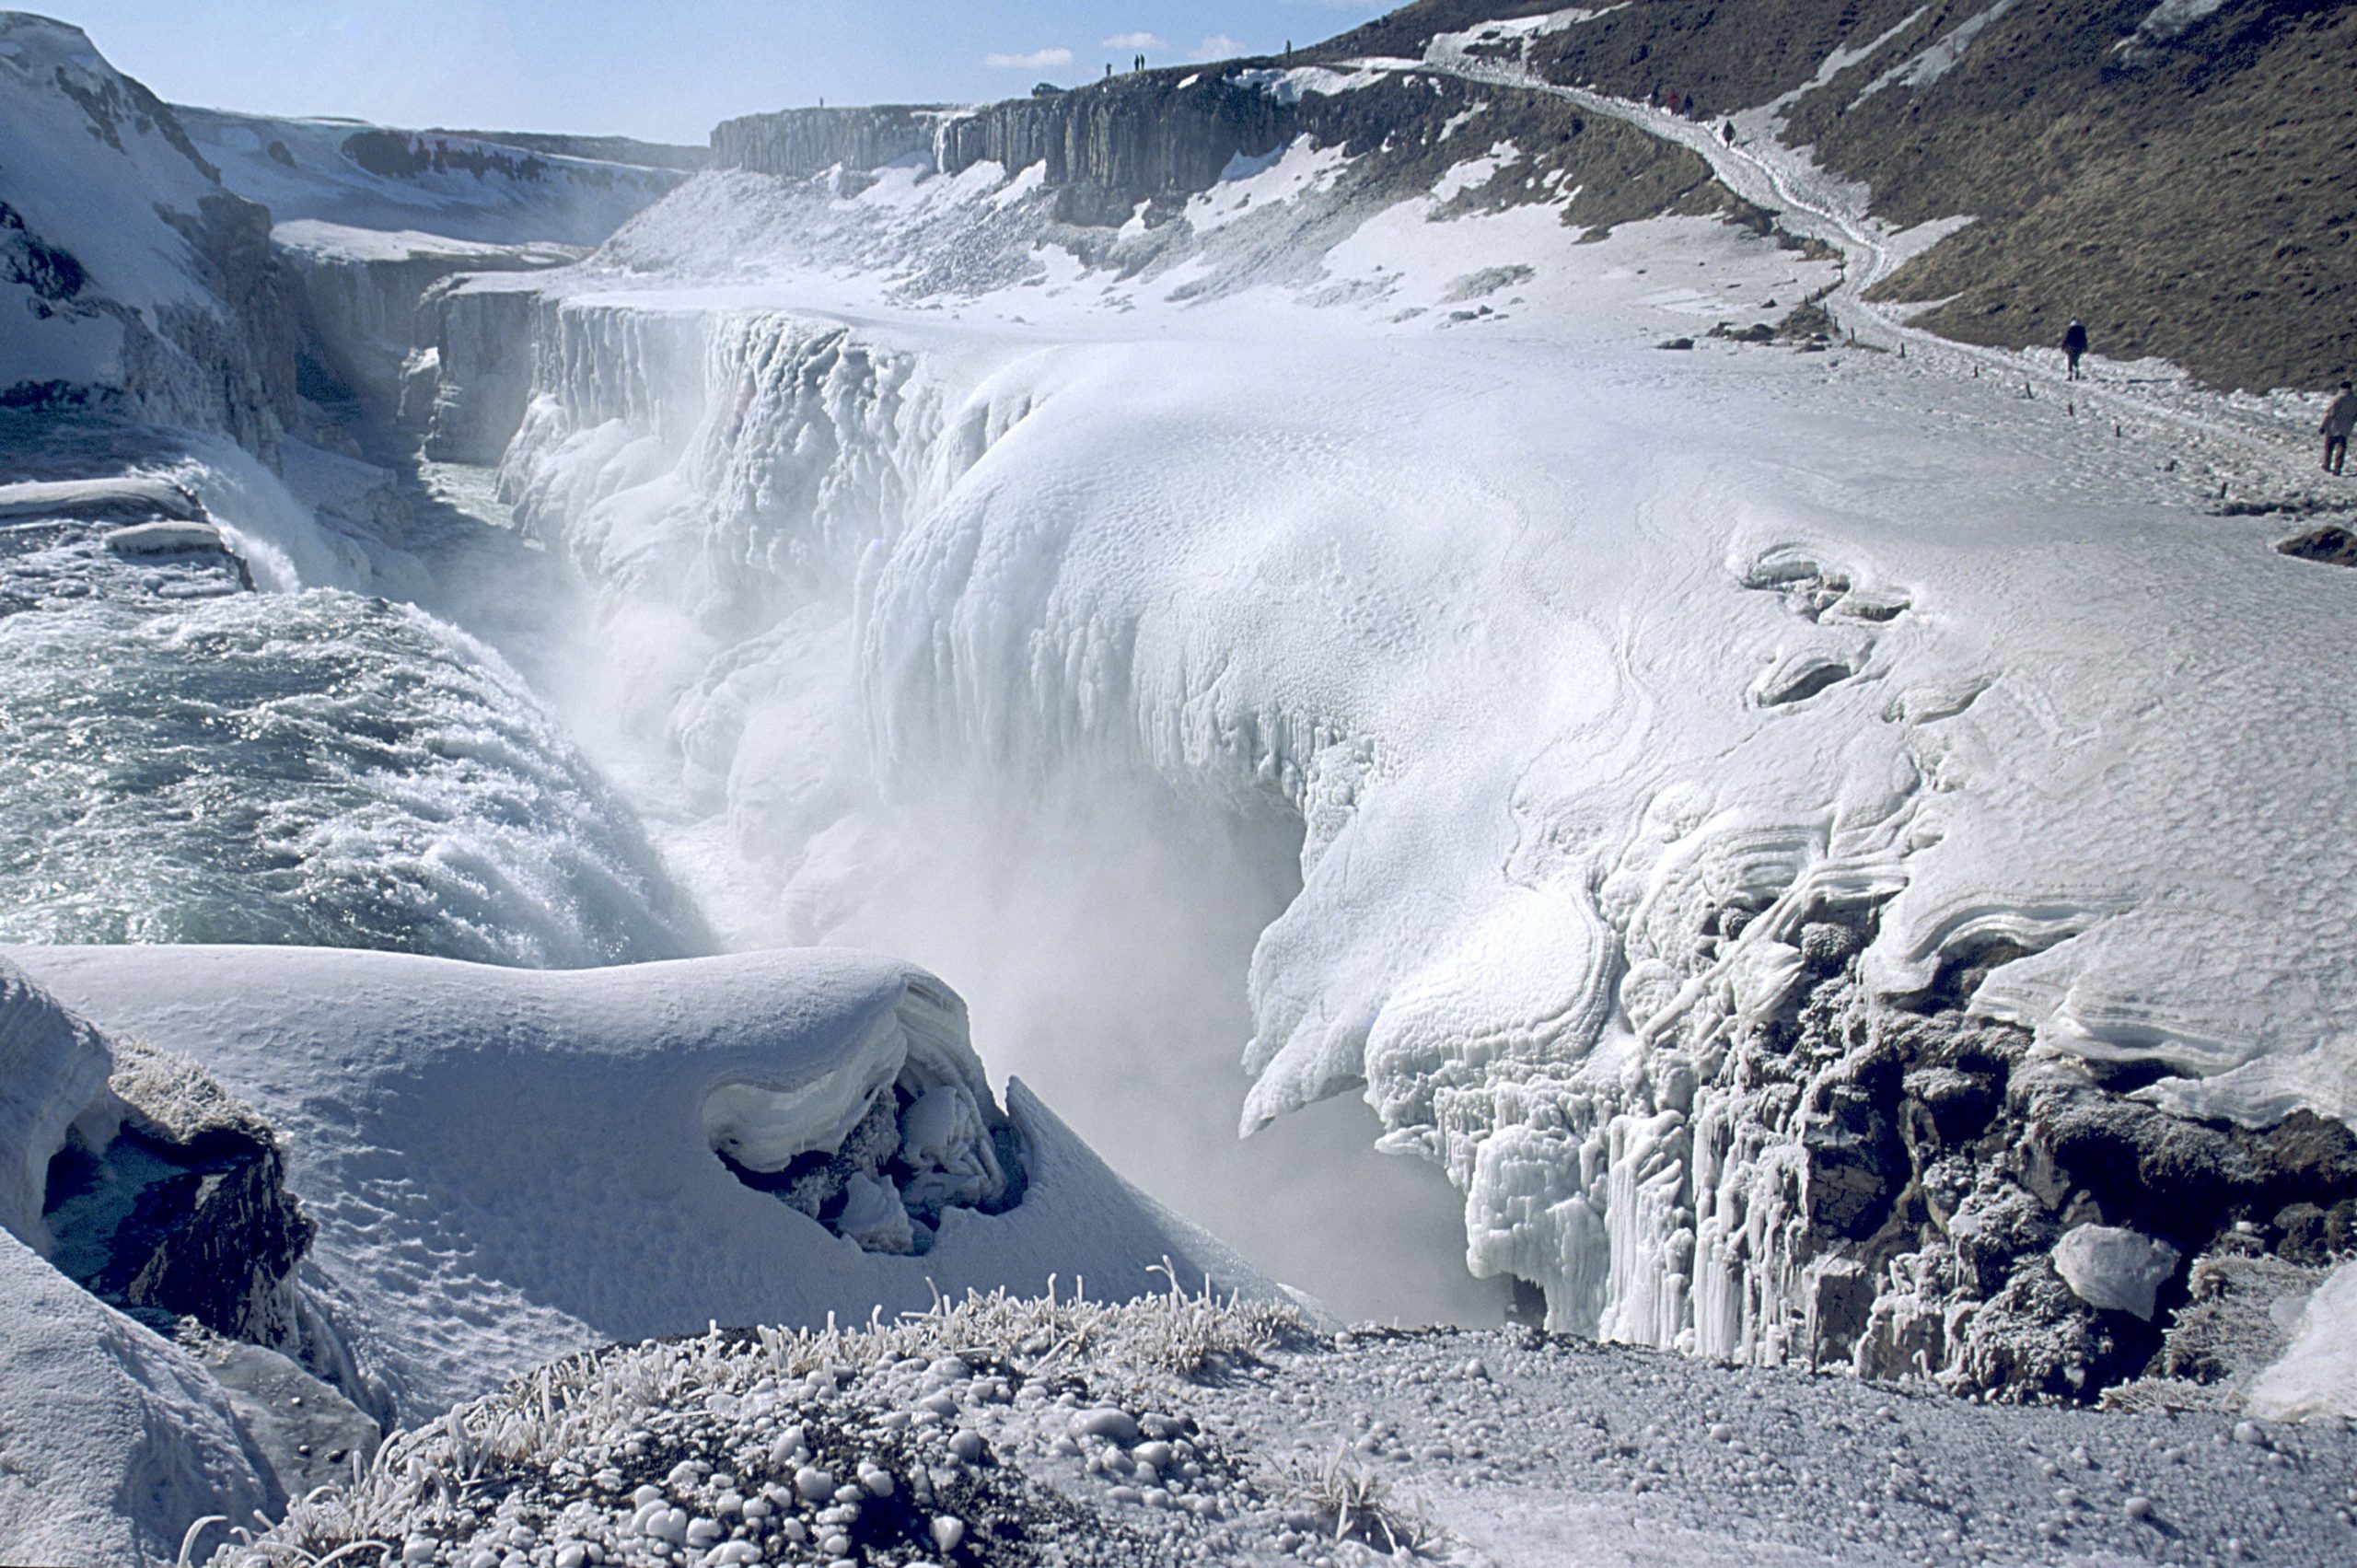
2333, 546
805, 141
183, 1211
1942, 1161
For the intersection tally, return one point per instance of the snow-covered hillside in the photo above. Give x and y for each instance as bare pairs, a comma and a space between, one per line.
134, 281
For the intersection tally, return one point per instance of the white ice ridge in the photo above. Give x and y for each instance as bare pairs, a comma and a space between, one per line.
510, 1166
1563, 653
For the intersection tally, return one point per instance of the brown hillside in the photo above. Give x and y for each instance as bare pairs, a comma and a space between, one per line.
2189, 193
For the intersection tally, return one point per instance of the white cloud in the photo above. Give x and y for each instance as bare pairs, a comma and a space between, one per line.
1219, 46
1038, 59
1144, 41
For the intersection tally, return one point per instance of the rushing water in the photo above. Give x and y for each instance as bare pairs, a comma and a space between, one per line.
185, 761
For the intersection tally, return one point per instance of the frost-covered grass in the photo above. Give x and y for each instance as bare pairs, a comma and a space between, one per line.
999, 1430
568, 1454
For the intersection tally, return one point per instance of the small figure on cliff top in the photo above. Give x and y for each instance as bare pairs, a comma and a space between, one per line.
2075, 344
1726, 132
2338, 420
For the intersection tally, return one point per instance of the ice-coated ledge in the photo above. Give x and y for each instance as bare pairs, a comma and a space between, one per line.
509, 1166
1625, 707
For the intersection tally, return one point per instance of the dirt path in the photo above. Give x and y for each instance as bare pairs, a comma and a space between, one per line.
2259, 449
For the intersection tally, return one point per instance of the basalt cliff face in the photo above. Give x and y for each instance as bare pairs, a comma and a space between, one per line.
1140, 144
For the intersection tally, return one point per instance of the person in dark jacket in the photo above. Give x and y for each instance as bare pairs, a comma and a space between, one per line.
2074, 344
2338, 420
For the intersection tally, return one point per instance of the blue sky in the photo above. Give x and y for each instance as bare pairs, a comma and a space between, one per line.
667, 70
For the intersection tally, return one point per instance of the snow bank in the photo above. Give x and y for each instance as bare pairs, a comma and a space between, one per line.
506, 1167
115, 1440
52, 1073
2318, 1376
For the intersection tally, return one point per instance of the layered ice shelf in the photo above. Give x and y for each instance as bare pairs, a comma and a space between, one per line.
1621, 699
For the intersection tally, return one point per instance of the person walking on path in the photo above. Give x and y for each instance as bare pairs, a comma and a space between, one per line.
2074, 344
2338, 420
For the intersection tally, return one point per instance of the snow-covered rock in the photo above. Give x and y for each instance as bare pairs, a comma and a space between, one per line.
509, 1166
135, 282
2118, 1270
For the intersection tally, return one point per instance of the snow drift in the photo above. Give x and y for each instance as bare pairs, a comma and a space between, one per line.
506, 1167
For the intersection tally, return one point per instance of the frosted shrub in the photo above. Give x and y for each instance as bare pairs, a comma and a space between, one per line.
1349, 1504
571, 1417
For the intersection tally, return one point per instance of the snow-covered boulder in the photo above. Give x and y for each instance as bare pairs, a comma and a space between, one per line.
2115, 1269
509, 1166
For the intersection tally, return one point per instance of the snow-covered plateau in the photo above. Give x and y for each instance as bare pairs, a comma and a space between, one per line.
1812, 847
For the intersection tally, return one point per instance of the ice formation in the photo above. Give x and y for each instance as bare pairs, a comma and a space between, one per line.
1624, 715
2318, 1376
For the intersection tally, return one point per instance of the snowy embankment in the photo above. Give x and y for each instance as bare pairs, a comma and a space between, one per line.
434, 1120
1771, 831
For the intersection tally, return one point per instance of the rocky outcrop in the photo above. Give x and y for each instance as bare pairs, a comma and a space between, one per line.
172, 1203
1106, 147
362, 312
804, 140
1148, 140
483, 351
1916, 1191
